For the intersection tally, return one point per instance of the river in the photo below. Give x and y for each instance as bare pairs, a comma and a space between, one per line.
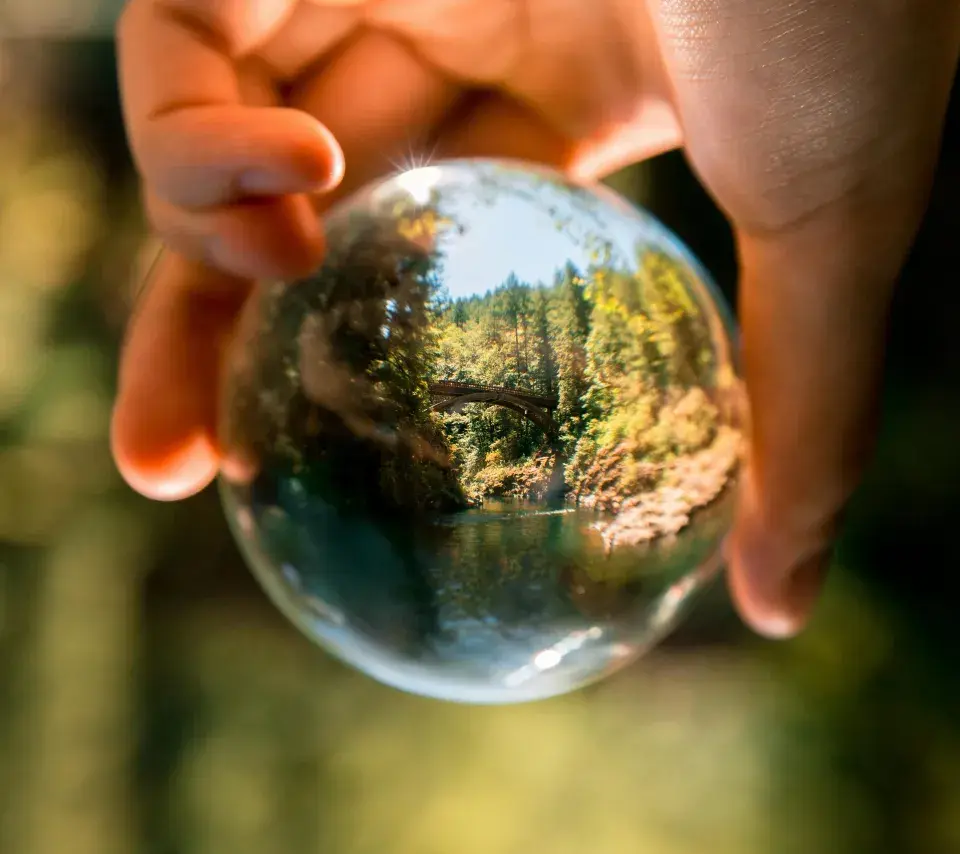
463, 606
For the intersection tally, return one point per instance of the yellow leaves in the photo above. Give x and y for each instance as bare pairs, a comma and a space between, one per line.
424, 227
494, 457
665, 285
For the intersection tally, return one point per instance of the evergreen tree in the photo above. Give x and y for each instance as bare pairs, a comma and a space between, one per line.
545, 369
682, 334
572, 326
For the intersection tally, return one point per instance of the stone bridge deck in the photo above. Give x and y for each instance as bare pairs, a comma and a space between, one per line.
453, 388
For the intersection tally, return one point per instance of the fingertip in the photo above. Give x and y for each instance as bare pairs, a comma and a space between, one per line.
163, 426
762, 613
162, 471
773, 594
310, 160
334, 165
775, 570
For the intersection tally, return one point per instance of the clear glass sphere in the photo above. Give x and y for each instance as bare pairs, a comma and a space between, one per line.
486, 452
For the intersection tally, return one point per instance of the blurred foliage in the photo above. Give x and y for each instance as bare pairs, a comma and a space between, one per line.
151, 701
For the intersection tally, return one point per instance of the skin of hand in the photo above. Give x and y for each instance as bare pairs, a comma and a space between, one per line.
815, 124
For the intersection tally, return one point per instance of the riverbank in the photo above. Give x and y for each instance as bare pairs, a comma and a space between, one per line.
532, 479
683, 486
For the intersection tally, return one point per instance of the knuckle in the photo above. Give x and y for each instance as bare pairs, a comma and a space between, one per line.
169, 224
787, 172
793, 108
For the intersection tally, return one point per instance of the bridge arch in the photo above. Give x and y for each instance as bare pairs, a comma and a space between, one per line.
540, 417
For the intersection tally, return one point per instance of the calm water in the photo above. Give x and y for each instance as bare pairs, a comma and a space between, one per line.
471, 600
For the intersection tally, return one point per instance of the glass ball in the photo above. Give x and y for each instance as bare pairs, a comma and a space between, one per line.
487, 451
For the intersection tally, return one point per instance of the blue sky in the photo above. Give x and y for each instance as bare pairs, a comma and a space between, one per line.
504, 238
516, 232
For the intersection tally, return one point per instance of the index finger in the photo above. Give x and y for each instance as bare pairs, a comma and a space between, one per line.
193, 139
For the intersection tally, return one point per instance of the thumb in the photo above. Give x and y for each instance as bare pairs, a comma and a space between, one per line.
817, 128
813, 303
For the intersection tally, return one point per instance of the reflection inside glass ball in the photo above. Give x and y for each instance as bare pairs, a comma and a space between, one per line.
486, 452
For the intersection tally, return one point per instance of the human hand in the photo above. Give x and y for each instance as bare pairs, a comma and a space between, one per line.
815, 125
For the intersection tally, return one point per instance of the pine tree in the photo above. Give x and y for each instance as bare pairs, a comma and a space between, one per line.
545, 371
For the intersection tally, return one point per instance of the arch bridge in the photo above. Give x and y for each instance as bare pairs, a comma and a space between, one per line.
452, 395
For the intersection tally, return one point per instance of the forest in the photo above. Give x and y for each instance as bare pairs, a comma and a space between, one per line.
628, 358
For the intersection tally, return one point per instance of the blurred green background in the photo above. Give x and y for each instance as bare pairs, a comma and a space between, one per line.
152, 701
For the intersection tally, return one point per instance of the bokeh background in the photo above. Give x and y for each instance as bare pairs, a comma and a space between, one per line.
152, 701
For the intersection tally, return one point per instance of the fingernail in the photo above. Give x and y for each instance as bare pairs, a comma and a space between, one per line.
258, 182
776, 596
774, 576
